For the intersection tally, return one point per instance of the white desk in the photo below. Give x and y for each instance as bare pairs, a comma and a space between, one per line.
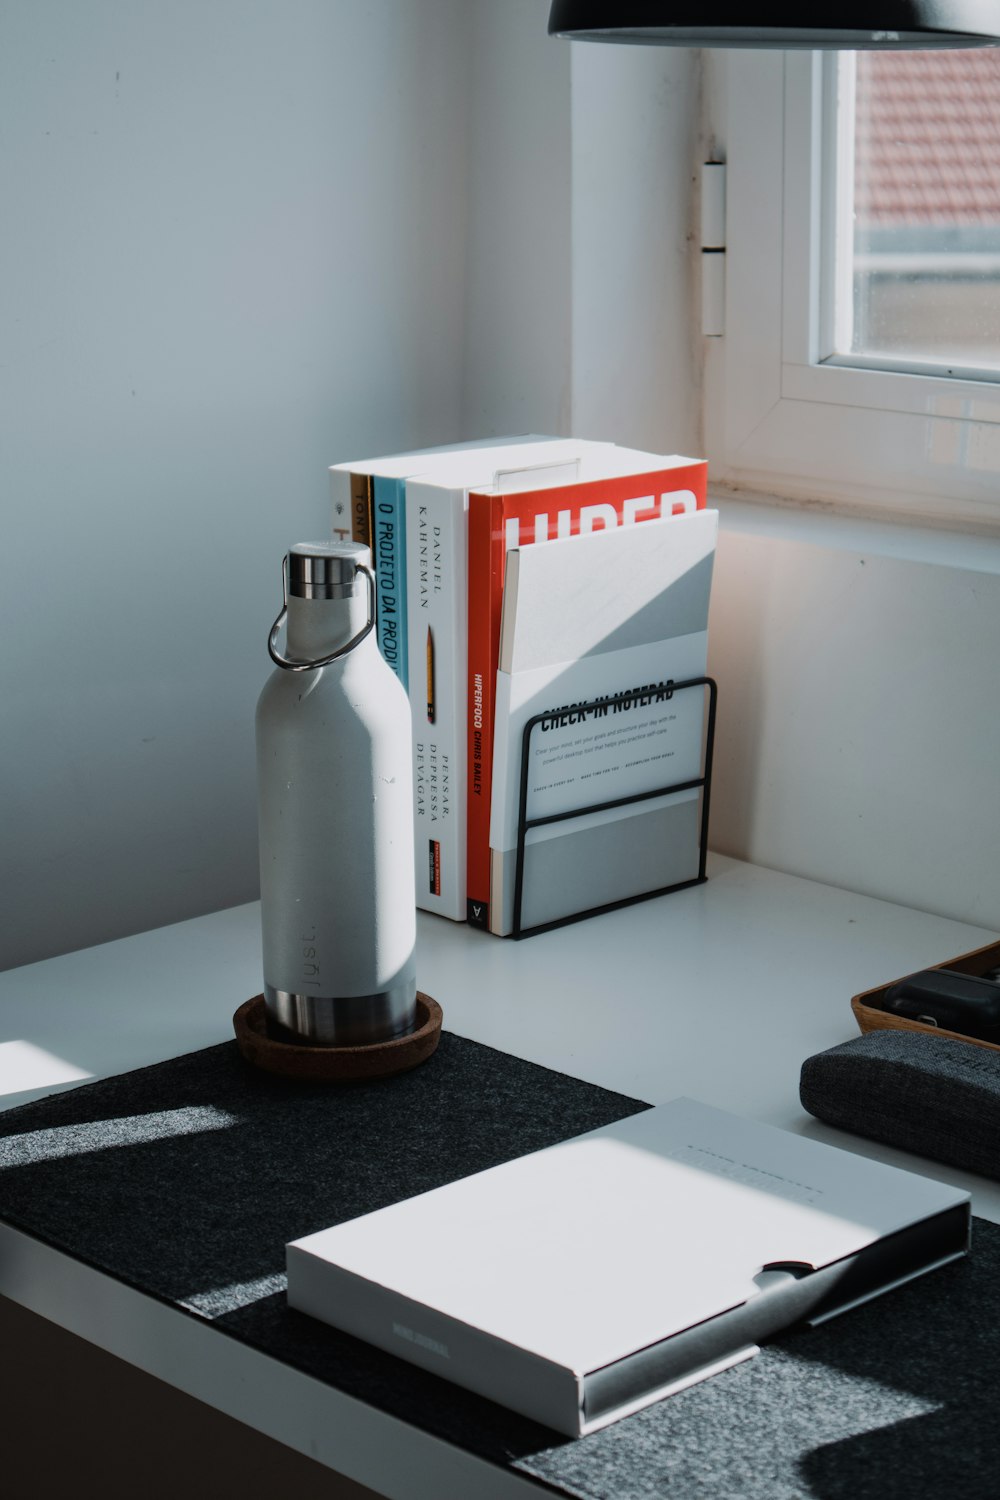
718, 992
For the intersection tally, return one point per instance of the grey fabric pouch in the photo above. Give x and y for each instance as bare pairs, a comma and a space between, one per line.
930, 1095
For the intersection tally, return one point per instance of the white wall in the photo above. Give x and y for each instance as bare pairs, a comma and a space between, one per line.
243, 240
636, 349
232, 253
581, 264
516, 347
858, 735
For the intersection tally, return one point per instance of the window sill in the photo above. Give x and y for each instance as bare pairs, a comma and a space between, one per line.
745, 513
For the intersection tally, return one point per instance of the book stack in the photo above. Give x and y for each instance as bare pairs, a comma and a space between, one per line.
483, 627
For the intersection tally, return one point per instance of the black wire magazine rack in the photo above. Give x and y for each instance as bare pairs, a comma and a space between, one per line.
702, 782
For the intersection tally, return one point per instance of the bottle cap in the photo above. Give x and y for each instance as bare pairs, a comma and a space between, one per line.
326, 570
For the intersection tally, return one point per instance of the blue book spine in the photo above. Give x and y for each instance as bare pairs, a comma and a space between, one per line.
389, 551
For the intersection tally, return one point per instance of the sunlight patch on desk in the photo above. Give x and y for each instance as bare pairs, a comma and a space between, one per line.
102, 1135
23, 1066
224, 1299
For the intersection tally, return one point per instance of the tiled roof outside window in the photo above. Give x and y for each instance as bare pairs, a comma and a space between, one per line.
928, 139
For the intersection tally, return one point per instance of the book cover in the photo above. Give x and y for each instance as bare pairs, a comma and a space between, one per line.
587, 1280
389, 558
585, 619
618, 489
436, 554
354, 516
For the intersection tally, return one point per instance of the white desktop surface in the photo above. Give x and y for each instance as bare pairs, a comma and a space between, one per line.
718, 992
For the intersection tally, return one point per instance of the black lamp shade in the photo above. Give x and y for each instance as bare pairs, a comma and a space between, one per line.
842, 24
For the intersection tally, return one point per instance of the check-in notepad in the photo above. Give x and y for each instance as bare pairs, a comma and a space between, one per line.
585, 1281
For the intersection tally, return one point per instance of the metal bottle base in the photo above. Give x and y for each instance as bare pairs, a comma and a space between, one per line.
345, 1020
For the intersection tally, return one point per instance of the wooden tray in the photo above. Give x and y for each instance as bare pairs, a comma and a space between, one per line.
870, 1016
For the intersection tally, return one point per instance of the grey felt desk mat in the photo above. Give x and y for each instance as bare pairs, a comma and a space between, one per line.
187, 1178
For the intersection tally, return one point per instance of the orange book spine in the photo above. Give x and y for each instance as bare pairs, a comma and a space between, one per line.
497, 522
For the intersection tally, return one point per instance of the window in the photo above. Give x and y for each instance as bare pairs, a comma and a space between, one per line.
860, 363
925, 277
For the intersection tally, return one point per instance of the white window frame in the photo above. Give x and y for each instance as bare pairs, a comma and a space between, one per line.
780, 416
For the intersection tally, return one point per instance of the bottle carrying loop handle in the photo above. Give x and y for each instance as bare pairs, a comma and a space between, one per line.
341, 651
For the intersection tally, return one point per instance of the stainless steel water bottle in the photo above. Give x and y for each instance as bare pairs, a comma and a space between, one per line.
335, 804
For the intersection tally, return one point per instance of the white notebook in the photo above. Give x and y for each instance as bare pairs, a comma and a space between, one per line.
582, 1282
585, 618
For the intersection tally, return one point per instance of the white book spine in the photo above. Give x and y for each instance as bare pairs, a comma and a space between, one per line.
436, 566
340, 502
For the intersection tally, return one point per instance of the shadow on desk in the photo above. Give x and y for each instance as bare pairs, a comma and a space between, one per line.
933, 1347
896, 1400
77, 1421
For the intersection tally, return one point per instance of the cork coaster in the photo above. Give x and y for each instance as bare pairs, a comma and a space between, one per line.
316, 1064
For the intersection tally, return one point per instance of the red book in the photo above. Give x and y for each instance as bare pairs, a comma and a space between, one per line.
499, 521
